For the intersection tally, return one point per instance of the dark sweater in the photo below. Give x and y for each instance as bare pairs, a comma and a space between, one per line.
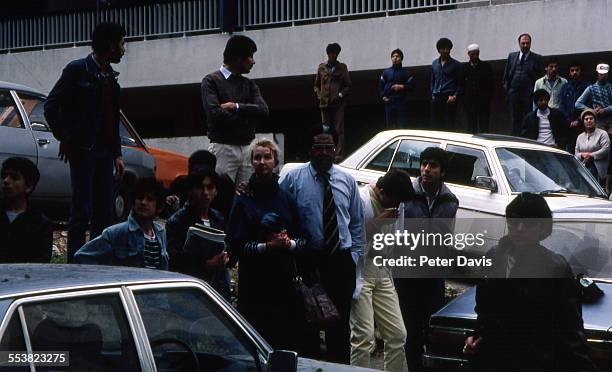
28, 239
231, 127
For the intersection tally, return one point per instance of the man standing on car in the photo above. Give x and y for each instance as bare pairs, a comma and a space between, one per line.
231, 102
332, 85
332, 214
419, 297
83, 112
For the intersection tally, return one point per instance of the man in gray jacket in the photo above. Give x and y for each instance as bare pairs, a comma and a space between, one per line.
420, 297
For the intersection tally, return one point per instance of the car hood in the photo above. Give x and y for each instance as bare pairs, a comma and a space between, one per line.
580, 207
311, 365
460, 311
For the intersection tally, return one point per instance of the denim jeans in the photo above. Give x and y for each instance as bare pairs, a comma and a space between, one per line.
91, 176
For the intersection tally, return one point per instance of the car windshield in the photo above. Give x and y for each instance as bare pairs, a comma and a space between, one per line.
546, 172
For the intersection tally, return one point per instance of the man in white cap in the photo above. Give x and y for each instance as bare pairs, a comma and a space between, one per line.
476, 86
598, 96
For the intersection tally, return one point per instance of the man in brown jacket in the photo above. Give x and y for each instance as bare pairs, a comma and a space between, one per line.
332, 86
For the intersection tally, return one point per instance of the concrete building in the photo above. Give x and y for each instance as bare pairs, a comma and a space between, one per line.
172, 45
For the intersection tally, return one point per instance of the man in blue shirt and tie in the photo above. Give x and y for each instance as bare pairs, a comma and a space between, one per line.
332, 214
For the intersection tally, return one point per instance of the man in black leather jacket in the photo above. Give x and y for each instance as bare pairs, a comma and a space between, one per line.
528, 305
83, 113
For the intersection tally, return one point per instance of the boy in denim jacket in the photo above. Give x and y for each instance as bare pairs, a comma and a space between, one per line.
138, 242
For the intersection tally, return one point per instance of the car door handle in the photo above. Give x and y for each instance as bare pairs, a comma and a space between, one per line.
43, 141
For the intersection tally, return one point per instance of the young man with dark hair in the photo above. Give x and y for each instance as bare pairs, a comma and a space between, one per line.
567, 100
83, 113
545, 124
444, 86
138, 242
203, 187
522, 69
477, 90
179, 189
375, 300
231, 103
26, 235
331, 212
420, 298
332, 85
528, 306
393, 86
551, 82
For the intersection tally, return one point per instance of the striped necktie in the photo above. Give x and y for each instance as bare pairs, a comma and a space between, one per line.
330, 219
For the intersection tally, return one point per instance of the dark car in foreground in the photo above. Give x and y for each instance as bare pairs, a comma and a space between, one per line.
125, 319
449, 327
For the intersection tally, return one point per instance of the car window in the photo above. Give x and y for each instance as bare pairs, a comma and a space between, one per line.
184, 322
465, 164
12, 339
35, 109
9, 115
126, 137
408, 156
382, 160
94, 330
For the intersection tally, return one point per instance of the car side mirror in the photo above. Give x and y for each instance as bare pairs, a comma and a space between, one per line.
486, 182
283, 361
40, 127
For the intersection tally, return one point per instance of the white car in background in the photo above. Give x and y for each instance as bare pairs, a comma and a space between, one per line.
486, 171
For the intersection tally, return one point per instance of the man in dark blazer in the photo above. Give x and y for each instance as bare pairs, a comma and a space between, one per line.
545, 124
522, 69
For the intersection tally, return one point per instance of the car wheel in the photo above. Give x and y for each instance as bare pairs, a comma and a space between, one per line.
122, 202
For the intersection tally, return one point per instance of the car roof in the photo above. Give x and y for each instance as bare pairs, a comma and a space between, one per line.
19, 87
21, 279
484, 139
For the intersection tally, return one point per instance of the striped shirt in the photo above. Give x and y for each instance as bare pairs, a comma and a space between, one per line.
152, 252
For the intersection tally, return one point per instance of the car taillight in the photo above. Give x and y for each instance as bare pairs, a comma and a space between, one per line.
446, 341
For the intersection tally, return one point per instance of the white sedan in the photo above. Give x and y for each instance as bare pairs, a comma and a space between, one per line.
487, 171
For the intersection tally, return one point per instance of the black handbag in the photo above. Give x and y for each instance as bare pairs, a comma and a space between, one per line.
319, 309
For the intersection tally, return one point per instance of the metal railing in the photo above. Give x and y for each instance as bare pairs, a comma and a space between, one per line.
182, 18
269, 12
154, 20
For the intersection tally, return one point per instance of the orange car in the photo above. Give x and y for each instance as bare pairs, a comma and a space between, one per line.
169, 166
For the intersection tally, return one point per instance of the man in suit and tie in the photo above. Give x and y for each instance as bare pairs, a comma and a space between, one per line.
522, 69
